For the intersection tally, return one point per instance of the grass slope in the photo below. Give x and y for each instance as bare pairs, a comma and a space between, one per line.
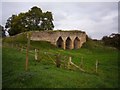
45, 74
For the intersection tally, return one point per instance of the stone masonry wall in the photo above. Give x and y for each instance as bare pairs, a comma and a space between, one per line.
67, 37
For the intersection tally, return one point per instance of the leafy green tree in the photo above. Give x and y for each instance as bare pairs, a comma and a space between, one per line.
11, 25
47, 23
32, 20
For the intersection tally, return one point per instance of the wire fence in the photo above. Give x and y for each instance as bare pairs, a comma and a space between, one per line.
56, 58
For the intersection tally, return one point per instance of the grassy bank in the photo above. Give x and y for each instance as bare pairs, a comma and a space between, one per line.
45, 74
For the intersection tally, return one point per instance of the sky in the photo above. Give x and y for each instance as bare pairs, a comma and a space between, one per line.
97, 19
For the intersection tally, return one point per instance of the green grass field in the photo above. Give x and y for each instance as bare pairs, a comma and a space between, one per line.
45, 74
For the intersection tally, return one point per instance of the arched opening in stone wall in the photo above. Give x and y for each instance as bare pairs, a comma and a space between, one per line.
60, 43
76, 43
68, 43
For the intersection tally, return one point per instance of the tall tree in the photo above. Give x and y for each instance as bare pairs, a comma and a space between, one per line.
32, 20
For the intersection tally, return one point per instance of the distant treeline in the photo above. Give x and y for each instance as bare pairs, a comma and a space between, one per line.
112, 40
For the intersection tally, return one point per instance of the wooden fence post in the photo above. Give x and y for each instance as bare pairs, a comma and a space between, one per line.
96, 68
58, 62
27, 51
36, 54
64, 62
69, 63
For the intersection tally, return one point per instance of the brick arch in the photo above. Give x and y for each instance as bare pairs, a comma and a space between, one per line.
68, 43
60, 42
76, 43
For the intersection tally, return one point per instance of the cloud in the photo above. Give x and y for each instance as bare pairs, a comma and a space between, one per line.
0, 13
96, 19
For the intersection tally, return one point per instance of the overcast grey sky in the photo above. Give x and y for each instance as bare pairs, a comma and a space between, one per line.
97, 19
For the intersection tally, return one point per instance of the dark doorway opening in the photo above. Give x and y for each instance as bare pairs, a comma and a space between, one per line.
68, 43
76, 43
60, 42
